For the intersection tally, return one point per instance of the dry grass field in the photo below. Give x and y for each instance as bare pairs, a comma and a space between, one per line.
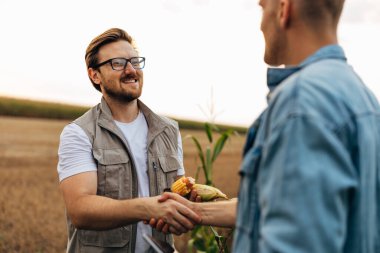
32, 217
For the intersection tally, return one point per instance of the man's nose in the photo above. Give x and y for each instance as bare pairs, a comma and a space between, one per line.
129, 68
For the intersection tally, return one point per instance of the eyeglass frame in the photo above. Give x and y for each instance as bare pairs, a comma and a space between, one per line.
126, 63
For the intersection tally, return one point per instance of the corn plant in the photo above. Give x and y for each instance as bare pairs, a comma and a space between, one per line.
208, 156
203, 238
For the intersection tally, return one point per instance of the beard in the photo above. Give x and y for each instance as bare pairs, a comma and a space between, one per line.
274, 48
121, 95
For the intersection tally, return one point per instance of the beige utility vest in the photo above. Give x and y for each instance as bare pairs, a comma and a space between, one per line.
117, 177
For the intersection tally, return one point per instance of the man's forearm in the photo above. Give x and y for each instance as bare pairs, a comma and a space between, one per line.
99, 213
219, 213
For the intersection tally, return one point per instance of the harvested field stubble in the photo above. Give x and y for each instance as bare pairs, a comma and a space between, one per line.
32, 215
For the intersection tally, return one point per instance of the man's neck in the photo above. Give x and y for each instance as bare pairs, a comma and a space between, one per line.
123, 111
301, 45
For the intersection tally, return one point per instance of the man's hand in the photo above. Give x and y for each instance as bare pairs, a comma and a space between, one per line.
160, 224
172, 210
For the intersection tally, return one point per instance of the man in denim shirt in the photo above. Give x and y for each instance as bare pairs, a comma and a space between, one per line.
310, 178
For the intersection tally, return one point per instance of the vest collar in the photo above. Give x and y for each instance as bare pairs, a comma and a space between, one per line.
105, 110
155, 122
105, 118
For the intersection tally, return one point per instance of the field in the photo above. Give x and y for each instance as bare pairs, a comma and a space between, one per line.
32, 216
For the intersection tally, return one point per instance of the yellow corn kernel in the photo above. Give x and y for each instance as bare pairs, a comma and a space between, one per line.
180, 187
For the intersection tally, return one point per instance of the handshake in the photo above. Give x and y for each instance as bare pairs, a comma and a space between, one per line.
187, 205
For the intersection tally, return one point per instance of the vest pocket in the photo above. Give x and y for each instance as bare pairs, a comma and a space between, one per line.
169, 166
113, 172
113, 238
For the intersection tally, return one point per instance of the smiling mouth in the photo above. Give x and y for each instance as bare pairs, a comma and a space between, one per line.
130, 80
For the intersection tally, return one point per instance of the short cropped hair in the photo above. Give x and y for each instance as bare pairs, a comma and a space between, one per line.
319, 11
109, 36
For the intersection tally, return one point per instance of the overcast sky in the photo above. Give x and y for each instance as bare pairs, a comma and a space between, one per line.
191, 47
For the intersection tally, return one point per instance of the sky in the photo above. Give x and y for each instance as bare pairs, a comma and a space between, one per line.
204, 58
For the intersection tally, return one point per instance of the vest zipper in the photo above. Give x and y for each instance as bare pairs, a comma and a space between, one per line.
155, 177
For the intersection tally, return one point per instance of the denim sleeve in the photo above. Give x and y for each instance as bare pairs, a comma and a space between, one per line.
305, 182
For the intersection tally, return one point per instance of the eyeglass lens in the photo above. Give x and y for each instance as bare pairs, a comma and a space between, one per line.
121, 63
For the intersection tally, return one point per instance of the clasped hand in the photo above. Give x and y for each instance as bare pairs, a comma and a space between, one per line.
178, 215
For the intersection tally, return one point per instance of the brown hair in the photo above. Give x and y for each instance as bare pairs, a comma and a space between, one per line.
319, 11
109, 36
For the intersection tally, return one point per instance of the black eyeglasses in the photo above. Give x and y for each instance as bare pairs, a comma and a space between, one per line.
121, 63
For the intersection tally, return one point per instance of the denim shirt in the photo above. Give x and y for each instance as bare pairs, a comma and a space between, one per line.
310, 177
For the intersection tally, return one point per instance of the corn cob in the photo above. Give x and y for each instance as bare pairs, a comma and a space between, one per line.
182, 186
208, 193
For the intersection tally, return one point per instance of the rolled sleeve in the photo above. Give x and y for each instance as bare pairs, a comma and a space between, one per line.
74, 152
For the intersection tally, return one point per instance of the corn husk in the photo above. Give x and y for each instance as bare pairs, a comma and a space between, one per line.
207, 192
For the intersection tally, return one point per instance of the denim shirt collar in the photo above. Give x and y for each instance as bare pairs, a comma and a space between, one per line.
276, 75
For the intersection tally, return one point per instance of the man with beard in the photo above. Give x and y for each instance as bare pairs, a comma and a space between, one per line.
310, 177
119, 154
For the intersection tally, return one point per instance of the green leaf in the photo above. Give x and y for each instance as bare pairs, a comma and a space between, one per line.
208, 166
220, 143
197, 229
197, 173
208, 132
199, 244
213, 249
190, 245
215, 128
199, 149
214, 232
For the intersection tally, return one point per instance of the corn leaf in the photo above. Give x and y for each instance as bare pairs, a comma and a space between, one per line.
214, 232
220, 143
208, 166
199, 149
215, 128
197, 172
208, 132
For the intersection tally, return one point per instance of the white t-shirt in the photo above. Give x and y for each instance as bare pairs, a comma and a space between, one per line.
75, 156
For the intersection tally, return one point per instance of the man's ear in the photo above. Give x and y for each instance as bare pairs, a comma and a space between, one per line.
284, 12
94, 75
